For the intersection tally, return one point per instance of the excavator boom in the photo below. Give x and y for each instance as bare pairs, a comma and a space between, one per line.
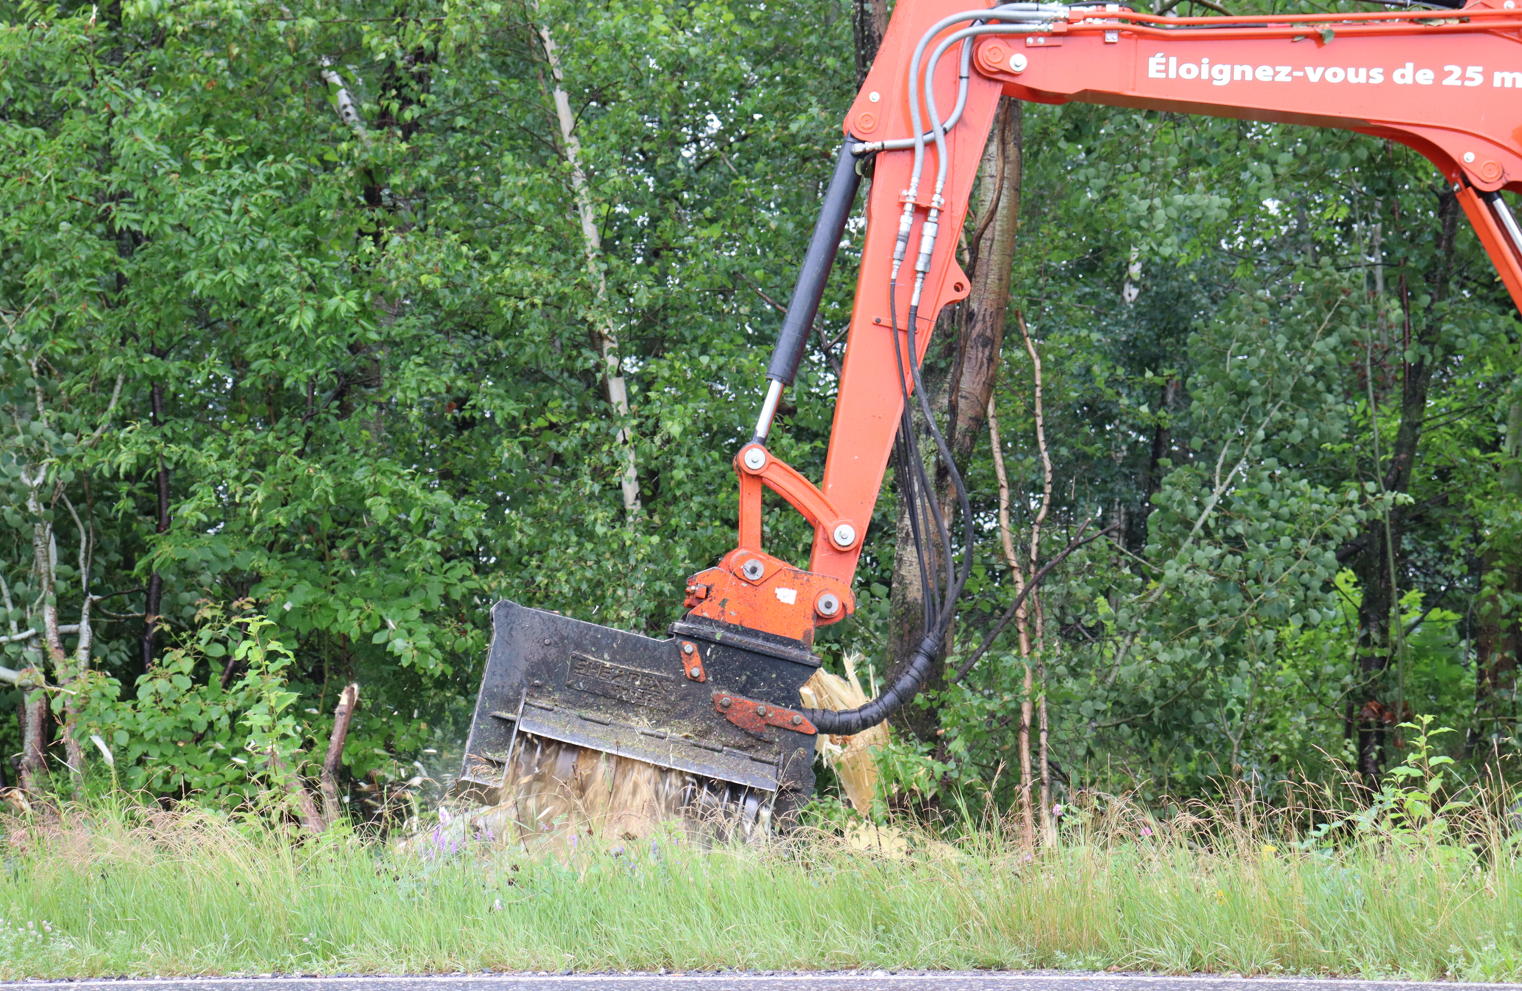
719, 700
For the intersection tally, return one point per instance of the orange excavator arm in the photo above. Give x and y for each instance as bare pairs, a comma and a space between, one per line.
715, 705
1445, 82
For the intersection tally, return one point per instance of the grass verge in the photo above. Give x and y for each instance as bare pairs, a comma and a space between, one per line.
134, 890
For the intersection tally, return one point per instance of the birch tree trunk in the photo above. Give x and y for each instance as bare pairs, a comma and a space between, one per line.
1033, 696
1007, 543
604, 333
347, 111
43, 494
34, 721
44, 563
85, 637
1048, 814
1048, 835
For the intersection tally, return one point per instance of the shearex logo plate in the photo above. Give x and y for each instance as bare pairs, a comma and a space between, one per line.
614, 681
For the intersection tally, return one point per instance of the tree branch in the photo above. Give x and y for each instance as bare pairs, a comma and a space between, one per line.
105, 421
1035, 582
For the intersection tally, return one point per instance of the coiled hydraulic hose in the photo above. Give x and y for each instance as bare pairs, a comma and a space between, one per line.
848, 722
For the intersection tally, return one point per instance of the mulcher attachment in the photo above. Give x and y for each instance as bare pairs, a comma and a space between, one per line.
715, 702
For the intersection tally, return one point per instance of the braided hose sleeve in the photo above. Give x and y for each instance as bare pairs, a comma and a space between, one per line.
848, 722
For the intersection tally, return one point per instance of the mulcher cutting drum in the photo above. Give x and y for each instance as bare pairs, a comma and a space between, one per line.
670, 703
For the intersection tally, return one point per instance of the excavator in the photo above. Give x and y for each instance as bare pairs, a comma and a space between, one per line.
717, 703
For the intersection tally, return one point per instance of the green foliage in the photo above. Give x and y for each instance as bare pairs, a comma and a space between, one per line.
1411, 803
1222, 420
380, 397
183, 732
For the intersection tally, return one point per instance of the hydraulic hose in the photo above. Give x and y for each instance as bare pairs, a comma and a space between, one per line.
847, 722
902, 144
1039, 14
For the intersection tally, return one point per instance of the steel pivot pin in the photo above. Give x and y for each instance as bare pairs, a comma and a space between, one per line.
755, 459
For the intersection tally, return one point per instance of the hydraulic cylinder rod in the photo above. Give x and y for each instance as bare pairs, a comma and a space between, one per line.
817, 261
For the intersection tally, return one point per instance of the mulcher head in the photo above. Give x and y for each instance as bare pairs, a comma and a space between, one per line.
715, 705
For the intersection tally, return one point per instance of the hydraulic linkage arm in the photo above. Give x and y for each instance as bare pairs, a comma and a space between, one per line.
1447, 83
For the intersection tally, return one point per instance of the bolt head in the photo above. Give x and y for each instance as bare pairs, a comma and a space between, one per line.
760, 710
695, 673
797, 720
687, 648
828, 604
874, 96
724, 703
1018, 62
755, 459
844, 536
1469, 156
753, 569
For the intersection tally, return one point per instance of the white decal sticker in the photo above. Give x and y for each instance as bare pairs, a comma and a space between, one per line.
787, 595
1165, 66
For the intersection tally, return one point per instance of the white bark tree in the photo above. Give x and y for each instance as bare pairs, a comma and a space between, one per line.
604, 332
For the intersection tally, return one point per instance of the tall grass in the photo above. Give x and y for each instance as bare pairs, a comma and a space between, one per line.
125, 889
